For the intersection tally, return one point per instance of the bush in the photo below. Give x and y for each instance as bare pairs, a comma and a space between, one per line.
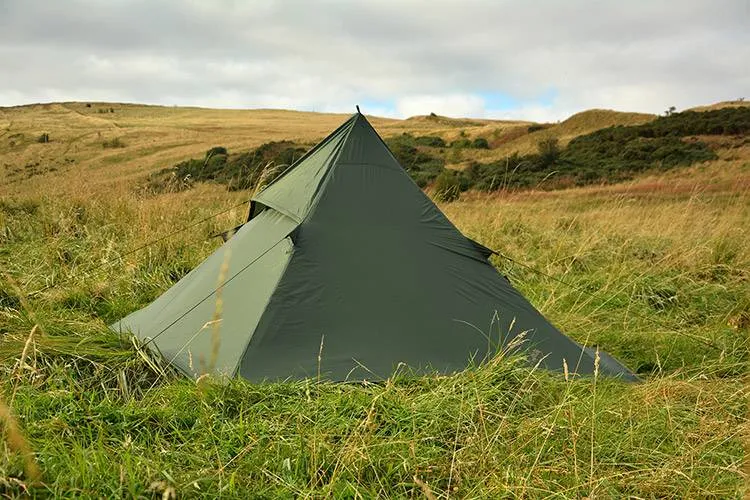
421, 165
431, 141
549, 151
611, 154
216, 150
480, 143
236, 171
447, 186
461, 143
44, 138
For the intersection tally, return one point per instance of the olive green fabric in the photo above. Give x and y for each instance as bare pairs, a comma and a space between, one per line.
300, 185
180, 323
372, 276
379, 277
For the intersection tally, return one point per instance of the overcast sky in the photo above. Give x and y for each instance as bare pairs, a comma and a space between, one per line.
533, 59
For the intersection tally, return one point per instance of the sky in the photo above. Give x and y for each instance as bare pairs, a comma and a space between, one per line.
539, 60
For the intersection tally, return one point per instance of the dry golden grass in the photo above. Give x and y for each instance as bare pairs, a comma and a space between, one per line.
154, 137
720, 105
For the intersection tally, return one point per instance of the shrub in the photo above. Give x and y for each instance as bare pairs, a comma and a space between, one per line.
549, 150
480, 143
422, 166
461, 143
431, 141
216, 150
236, 171
44, 138
447, 186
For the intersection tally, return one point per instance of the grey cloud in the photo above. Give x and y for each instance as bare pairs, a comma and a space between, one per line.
326, 54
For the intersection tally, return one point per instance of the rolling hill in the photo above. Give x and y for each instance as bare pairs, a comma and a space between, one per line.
113, 143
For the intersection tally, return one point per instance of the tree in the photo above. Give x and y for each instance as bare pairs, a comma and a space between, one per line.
670, 111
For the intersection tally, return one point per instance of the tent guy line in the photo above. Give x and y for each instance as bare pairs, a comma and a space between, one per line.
222, 285
87, 272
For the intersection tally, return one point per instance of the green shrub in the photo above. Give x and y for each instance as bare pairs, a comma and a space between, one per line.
461, 143
447, 186
44, 138
610, 155
216, 150
480, 143
236, 171
549, 151
432, 141
421, 165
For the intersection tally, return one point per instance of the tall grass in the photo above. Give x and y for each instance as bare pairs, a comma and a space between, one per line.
652, 270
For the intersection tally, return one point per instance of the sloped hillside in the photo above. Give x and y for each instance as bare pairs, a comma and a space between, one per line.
738, 103
89, 143
69, 147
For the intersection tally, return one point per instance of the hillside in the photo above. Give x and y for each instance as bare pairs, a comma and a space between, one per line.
93, 143
522, 140
109, 142
739, 103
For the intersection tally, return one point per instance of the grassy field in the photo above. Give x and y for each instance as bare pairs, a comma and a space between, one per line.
657, 273
132, 139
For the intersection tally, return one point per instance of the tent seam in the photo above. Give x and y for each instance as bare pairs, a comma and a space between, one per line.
236, 369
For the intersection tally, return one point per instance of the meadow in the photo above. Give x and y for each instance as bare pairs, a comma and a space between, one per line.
655, 271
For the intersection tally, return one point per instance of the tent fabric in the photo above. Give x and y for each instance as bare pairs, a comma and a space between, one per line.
363, 274
179, 323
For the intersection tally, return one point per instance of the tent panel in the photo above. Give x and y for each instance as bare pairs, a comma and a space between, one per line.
180, 320
294, 192
380, 278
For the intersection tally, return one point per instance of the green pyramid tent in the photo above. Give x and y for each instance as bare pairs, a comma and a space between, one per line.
345, 270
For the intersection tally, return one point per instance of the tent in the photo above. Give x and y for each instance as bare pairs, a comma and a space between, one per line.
346, 270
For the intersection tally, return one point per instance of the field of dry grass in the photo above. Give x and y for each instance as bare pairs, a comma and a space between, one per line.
656, 271
148, 138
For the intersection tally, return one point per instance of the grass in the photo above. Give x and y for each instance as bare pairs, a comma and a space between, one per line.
659, 275
157, 137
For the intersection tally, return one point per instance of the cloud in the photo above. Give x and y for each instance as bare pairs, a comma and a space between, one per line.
472, 58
